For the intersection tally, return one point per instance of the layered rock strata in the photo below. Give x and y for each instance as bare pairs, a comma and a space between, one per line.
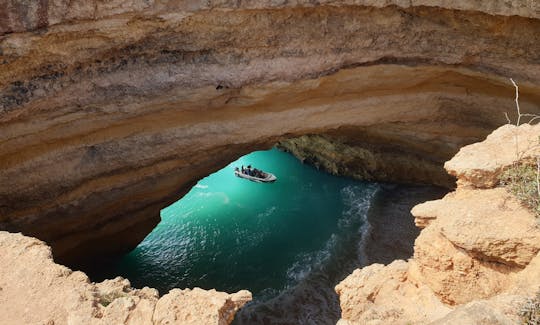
476, 259
35, 290
111, 111
18, 17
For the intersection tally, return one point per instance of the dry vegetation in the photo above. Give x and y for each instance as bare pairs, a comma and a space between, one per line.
523, 177
530, 311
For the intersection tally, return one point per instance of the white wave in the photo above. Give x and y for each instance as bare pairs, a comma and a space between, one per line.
306, 263
201, 186
359, 200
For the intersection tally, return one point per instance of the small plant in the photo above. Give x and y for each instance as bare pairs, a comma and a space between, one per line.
521, 179
107, 299
530, 311
532, 117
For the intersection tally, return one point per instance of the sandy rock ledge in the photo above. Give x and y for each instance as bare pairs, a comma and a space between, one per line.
35, 290
475, 261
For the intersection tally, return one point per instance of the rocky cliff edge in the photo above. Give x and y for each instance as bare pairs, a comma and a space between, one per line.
35, 290
476, 260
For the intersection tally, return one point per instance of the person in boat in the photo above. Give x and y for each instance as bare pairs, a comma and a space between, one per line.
257, 173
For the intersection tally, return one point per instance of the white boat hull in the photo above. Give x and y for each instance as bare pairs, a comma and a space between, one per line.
268, 179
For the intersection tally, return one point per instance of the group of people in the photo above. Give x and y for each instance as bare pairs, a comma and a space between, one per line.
252, 172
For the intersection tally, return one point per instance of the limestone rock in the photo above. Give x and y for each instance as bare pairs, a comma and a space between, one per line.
491, 225
477, 254
373, 154
453, 274
35, 290
17, 16
380, 294
205, 307
102, 102
480, 164
425, 213
500, 310
526, 281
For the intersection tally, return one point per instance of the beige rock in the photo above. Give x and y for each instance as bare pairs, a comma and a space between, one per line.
206, 307
480, 164
35, 290
499, 310
453, 274
491, 225
380, 294
526, 281
477, 254
425, 213
99, 111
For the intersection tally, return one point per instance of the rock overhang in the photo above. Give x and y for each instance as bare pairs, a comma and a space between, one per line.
106, 121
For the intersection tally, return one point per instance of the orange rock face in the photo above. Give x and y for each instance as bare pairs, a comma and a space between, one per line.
477, 255
479, 165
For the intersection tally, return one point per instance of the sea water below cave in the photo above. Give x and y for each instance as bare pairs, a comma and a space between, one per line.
288, 242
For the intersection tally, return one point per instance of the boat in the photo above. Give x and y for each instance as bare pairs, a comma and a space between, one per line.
267, 177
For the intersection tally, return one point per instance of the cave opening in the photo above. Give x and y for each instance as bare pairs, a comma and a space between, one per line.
288, 242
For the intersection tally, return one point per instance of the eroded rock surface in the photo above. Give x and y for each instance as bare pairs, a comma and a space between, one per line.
22, 16
477, 256
504, 230
111, 111
375, 154
35, 290
479, 165
380, 294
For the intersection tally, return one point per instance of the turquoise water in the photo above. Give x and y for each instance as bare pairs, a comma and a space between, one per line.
229, 233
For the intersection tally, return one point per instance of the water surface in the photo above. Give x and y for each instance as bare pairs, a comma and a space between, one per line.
285, 241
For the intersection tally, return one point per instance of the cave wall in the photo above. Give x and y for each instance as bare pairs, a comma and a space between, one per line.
107, 118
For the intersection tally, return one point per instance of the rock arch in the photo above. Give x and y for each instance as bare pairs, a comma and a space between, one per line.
105, 121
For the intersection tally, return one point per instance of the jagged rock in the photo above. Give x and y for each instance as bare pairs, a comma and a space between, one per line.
205, 307
500, 310
452, 273
380, 294
373, 154
35, 290
477, 254
111, 110
480, 164
491, 225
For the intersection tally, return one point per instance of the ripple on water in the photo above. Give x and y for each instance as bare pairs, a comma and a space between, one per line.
288, 242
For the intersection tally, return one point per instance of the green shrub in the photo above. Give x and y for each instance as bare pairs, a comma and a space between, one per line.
520, 179
530, 311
